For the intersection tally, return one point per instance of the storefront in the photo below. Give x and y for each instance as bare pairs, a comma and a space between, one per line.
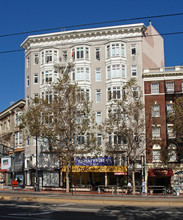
160, 177
96, 171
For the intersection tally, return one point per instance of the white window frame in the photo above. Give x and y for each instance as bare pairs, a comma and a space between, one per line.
98, 74
155, 88
36, 78
169, 87
99, 139
98, 95
99, 117
97, 53
133, 49
156, 153
36, 58
155, 110
133, 71
156, 132
27, 81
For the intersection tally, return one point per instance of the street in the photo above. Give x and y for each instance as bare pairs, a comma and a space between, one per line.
33, 211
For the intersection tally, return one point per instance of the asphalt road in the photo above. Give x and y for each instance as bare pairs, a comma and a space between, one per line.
68, 211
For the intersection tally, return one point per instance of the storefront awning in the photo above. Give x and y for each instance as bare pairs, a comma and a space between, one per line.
97, 169
160, 172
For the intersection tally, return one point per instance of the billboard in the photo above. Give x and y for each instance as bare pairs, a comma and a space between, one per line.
5, 163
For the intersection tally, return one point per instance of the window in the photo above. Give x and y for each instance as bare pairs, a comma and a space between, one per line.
79, 52
172, 150
109, 94
117, 139
28, 62
87, 74
135, 92
169, 87
156, 154
27, 142
27, 81
97, 52
81, 139
108, 72
108, 51
123, 71
134, 71
99, 139
154, 88
98, 95
155, 132
155, 110
115, 71
122, 50
73, 74
99, 118
48, 76
18, 120
18, 138
133, 49
171, 133
80, 73
48, 56
115, 50
182, 86
170, 109
86, 53
98, 74
35, 78
36, 59
64, 55
116, 93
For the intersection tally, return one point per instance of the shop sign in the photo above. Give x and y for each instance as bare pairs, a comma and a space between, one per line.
160, 172
5, 163
101, 161
120, 173
97, 169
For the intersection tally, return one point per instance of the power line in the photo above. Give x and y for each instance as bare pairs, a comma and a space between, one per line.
88, 24
153, 35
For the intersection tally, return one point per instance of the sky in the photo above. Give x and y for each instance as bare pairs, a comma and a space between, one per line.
24, 16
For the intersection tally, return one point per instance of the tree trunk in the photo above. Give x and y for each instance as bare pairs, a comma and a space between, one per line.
133, 180
67, 180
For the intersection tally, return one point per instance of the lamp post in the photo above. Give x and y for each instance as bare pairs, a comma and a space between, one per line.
36, 188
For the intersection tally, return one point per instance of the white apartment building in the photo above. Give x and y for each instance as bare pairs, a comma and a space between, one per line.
103, 60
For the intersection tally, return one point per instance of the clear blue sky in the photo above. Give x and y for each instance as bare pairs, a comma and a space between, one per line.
23, 15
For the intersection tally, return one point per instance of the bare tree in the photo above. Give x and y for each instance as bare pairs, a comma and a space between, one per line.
125, 123
65, 122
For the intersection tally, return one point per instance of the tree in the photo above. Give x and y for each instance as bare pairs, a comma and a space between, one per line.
176, 118
125, 123
65, 121
32, 122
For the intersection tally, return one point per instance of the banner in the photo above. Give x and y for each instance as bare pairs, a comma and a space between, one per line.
5, 163
101, 161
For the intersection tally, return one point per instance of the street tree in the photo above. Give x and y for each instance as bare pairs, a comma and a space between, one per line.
124, 125
67, 124
175, 117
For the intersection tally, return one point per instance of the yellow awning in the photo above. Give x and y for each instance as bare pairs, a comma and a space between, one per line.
97, 169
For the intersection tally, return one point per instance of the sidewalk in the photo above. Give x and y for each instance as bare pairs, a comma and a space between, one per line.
30, 195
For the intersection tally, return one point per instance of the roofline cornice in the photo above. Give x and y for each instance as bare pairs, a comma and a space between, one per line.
131, 28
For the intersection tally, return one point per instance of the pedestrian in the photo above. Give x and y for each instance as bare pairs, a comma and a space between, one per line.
143, 186
129, 185
18, 182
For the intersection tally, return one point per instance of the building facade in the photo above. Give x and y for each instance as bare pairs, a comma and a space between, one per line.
103, 60
12, 144
161, 87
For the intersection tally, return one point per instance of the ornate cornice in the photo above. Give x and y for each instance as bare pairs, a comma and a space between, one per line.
84, 35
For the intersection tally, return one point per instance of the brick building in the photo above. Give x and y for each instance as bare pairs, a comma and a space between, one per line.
161, 87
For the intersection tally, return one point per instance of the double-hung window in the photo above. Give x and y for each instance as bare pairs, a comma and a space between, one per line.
169, 87
36, 59
97, 51
80, 52
123, 71
134, 71
154, 88
98, 74
155, 132
169, 109
115, 49
36, 78
155, 110
80, 73
98, 95
115, 71
133, 49
99, 139
99, 118
116, 93
108, 72
48, 56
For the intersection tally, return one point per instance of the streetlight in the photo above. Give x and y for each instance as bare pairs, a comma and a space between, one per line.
36, 187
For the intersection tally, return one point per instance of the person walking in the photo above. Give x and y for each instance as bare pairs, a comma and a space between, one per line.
129, 185
143, 186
